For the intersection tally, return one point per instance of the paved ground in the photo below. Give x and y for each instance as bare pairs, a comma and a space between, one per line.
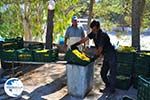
48, 82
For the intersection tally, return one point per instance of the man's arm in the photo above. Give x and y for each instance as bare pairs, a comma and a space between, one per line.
82, 35
99, 51
65, 42
66, 37
83, 40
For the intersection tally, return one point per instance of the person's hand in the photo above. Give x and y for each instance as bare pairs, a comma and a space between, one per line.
93, 58
85, 48
65, 48
74, 46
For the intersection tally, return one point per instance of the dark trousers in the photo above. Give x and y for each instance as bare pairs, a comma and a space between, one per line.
109, 65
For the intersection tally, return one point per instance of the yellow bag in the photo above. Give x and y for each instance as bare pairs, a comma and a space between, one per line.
81, 55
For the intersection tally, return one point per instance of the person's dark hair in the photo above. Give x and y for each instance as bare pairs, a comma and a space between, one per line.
94, 23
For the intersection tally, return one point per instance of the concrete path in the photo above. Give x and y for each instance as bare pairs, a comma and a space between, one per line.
48, 82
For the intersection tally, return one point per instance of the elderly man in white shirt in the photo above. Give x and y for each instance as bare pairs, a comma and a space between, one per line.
73, 34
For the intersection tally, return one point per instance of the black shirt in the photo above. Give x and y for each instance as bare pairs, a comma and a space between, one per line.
101, 39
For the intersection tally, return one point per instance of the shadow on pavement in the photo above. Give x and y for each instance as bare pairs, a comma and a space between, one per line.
108, 96
19, 69
69, 97
54, 86
90, 96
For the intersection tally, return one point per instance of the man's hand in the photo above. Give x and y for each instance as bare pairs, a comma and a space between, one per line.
74, 46
65, 48
94, 58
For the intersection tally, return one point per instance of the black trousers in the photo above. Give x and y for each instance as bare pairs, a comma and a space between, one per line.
109, 66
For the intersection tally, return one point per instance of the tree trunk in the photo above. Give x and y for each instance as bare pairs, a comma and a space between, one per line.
137, 11
27, 23
27, 30
90, 17
90, 12
49, 33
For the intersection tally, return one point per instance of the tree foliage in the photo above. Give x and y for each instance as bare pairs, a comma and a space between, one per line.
146, 17
118, 13
113, 12
21, 18
28, 17
64, 11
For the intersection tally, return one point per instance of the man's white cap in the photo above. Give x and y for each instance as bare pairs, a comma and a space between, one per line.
74, 18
